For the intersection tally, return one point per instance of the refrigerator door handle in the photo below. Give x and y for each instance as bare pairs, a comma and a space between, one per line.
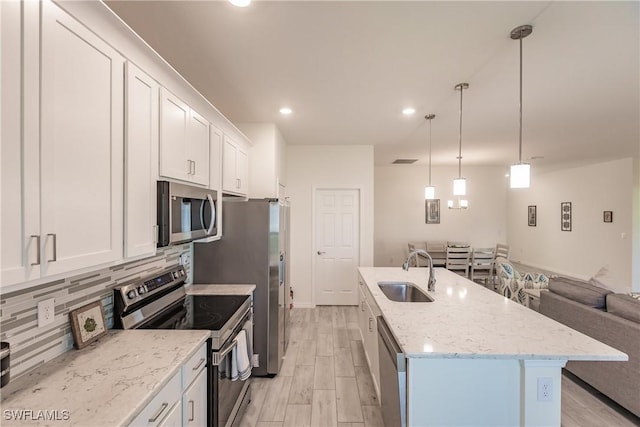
281, 275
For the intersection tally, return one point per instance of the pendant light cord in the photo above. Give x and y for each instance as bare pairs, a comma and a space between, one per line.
520, 144
429, 152
460, 137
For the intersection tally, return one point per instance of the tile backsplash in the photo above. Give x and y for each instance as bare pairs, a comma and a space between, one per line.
31, 345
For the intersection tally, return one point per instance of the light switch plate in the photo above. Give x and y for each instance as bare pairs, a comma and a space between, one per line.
46, 312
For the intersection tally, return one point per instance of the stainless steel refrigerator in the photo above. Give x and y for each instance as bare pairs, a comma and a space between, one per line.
254, 249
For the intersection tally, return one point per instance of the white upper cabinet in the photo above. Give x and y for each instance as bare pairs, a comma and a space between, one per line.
235, 168
141, 162
81, 145
71, 197
184, 141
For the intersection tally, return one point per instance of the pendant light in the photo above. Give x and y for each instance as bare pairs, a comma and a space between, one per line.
460, 183
430, 190
520, 174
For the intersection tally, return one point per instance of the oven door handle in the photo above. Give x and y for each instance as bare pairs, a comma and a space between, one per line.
219, 356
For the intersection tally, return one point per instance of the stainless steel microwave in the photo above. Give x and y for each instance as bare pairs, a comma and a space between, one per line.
185, 213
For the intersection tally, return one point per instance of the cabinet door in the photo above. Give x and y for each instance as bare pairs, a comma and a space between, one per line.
174, 123
82, 112
371, 347
229, 159
20, 171
194, 402
362, 313
141, 162
215, 163
198, 149
174, 417
242, 171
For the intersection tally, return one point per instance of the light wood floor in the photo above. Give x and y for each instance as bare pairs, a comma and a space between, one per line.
325, 381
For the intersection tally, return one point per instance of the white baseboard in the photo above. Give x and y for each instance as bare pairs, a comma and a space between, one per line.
303, 305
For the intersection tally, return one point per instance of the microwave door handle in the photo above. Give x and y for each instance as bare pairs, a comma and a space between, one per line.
213, 214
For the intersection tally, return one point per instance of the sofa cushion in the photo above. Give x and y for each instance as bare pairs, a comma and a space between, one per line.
606, 278
624, 306
579, 291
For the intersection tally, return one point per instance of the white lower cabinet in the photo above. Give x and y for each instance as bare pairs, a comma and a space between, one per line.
194, 402
160, 407
368, 313
183, 401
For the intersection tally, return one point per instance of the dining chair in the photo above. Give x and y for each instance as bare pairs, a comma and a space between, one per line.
482, 260
458, 259
438, 252
502, 251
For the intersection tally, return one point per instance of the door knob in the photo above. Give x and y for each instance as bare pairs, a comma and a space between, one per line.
321, 252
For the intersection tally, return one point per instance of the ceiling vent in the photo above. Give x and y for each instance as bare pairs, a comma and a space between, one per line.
404, 161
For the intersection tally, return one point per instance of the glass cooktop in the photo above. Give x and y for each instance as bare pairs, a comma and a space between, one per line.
212, 312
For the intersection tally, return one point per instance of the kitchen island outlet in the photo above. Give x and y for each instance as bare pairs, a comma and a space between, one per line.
476, 358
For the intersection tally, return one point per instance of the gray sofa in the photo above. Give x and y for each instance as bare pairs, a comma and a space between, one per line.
611, 318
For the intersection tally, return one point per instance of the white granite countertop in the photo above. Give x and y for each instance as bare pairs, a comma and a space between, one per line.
219, 289
105, 384
467, 320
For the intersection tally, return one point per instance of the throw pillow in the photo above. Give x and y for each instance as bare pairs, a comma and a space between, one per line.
583, 292
624, 306
607, 279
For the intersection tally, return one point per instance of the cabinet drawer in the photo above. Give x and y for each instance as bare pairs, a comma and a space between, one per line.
158, 409
194, 366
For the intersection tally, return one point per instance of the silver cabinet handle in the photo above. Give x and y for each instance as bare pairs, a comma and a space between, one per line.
362, 306
237, 182
370, 327
160, 411
37, 237
194, 168
199, 364
321, 252
155, 234
192, 405
189, 167
55, 247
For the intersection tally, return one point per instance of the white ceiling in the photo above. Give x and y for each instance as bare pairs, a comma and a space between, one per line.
348, 68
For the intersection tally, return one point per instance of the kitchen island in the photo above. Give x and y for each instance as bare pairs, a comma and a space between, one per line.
475, 357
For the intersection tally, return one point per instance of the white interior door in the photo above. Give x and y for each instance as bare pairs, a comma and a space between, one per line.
337, 238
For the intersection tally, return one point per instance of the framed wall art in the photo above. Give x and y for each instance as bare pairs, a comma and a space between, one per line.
532, 216
607, 216
87, 324
432, 211
565, 216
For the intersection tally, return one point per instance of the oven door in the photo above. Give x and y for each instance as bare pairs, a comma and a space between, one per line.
229, 397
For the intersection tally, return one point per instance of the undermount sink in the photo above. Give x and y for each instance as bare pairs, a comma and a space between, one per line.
403, 292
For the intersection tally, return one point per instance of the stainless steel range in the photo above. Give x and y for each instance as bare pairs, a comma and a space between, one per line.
160, 302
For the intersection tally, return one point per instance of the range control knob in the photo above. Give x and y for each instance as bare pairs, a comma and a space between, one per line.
141, 290
131, 294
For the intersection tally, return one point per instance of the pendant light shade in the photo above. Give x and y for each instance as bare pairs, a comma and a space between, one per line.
520, 173
460, 183
460, 187
429, 190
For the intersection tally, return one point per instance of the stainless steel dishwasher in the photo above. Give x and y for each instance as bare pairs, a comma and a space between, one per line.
393, 378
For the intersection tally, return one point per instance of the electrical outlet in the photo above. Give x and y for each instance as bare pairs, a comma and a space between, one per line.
256, 360
545, 389
46, 312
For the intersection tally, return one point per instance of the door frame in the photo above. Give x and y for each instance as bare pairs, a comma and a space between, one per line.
314, 192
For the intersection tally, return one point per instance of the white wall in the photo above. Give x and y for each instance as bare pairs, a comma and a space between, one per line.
325, 166
400, 209
592, 243
267, 159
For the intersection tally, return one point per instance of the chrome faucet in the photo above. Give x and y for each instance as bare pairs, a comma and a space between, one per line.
431, 284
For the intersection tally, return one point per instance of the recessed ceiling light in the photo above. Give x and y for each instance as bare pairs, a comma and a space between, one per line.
408, 111
240, 3
286, 111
